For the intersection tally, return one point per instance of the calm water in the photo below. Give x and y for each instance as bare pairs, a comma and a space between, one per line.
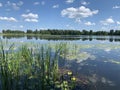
98, 59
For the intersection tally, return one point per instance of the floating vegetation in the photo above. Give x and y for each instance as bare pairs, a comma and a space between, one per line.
112, 61
79, 57
115, 62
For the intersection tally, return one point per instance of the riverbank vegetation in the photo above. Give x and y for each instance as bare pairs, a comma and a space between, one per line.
62, 32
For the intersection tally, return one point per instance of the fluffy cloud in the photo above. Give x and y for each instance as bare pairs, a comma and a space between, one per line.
15, 6
116, 7
36, 3
1, 5
55, 6
118, 22
11, 19
30, 17
84, 3
107, 21
31, 20
89, 23
69, 1
78, 13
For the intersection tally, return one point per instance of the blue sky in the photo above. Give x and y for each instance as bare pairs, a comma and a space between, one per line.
60, 14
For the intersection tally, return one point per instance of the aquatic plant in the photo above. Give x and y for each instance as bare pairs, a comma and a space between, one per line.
31, 68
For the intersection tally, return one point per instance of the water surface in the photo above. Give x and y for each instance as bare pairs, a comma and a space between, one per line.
97, 59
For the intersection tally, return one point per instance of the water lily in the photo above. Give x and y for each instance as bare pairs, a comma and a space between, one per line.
69, 73
73, 78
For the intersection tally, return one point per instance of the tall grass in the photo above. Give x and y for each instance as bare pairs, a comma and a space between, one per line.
27, 68
34, 68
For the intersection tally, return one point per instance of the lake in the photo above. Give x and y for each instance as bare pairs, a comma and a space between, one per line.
97, 59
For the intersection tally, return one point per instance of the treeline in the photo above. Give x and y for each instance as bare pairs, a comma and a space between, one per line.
62, 32
12, 31
55, 32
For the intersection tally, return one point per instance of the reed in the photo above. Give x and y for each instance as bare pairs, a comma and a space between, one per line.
31, 68
34, 68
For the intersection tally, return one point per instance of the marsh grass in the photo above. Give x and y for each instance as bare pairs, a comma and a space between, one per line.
31, 68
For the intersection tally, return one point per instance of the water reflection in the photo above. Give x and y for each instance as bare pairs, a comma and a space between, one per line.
99, 63
102, 73
82, 38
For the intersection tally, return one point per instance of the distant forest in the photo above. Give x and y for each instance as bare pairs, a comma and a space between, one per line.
62, 32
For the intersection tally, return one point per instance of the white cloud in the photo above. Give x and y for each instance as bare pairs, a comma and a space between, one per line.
118, 22
30, 17
116, 7
78, 13
107, 21
43, 2
31, 20
1, 5
21, 26
55, 6
15, 6
11, 19
69, 1
84, 3
89, 23
36, 3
